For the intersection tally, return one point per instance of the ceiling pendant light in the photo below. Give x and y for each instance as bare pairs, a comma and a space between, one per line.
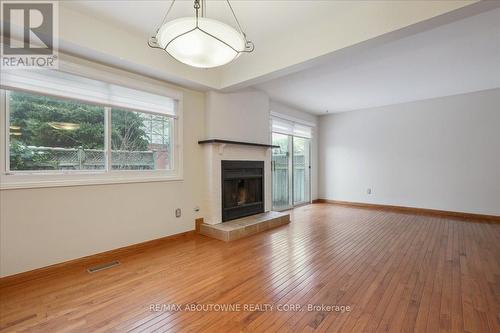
199, 41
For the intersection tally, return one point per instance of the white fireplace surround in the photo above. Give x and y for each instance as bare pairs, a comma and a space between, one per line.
216, 152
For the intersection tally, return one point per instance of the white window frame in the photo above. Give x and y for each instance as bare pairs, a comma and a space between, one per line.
55, 178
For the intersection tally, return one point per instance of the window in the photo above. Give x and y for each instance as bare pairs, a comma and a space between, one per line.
140, 141
54, 134
59, 126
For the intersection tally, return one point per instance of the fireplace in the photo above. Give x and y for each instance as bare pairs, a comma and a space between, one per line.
242, 189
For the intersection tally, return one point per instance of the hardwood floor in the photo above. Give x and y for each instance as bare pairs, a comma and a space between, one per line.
397, 272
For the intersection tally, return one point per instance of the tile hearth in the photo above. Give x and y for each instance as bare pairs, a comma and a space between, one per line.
244, 227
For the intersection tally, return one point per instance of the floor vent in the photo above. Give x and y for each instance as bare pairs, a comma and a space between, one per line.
103, 266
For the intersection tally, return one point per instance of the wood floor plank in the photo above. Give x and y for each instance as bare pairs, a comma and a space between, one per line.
397, 271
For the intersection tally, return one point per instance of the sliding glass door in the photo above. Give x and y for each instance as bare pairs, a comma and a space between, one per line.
290, 171
281, 175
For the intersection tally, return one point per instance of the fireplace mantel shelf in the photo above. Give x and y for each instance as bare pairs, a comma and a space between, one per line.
220, 141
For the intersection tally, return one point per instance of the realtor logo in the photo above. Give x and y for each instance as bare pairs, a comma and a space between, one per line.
29, 34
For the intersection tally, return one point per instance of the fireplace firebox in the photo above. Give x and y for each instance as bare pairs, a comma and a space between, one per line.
242, 189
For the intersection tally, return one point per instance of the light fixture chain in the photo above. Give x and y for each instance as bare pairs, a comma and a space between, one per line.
197, 8
235, 18
166, 14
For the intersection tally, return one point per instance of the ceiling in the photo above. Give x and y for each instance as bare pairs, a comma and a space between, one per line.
289, 35
455, 58
145, 16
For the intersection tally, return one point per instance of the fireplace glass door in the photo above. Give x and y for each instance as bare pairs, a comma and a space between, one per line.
242, 188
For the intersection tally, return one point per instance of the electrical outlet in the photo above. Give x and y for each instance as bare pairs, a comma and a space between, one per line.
178, 212
368, 191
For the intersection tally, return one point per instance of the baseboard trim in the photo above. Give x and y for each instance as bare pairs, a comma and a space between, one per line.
86, 261
415, 210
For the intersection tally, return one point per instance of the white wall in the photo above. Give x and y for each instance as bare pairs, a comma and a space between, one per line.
40, 227
310, 118
442, 153
238, 116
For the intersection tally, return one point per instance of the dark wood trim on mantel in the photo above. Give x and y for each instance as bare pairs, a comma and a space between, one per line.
221, 141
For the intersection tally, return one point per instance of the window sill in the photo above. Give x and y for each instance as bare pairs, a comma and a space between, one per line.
12, 182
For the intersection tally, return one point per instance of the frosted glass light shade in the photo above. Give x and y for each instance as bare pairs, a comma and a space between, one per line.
195, 47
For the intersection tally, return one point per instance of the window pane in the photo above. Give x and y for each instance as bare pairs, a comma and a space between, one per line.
301, 173
54, 134
281, 173
140, 141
